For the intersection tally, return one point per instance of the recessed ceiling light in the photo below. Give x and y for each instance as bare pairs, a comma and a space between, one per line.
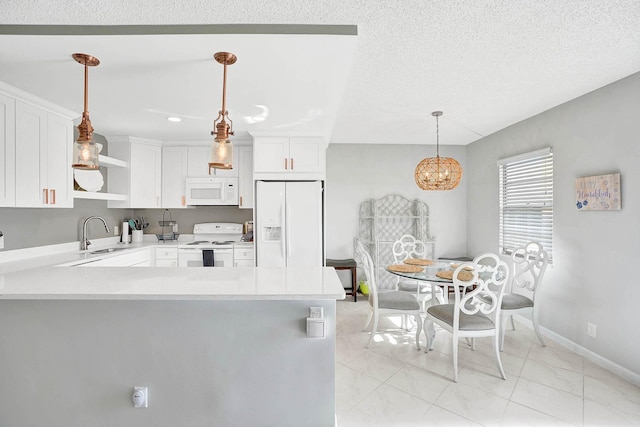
174, 119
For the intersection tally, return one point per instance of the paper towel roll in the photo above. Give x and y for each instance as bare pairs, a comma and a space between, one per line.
125, 232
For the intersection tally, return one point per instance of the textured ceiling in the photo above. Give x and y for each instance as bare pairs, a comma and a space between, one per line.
486, 64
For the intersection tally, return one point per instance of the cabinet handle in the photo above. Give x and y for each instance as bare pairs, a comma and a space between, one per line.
285, 163
240, 200
53, 196
184, 201
292, 163
45, 196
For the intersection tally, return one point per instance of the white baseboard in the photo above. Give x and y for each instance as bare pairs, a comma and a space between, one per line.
621, 371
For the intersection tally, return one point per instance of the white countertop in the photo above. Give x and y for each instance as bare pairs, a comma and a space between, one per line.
43, 278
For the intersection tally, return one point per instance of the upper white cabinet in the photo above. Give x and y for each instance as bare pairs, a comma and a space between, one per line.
142, 180
36, 138
198, 163
289, 157
174, 177
43, 158
7, 151
245, 181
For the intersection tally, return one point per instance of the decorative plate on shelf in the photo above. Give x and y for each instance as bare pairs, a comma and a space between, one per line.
88, 180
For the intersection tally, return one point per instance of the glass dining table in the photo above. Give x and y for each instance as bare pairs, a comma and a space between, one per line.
428, 275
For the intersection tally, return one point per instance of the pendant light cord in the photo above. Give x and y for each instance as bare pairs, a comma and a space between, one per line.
437, 137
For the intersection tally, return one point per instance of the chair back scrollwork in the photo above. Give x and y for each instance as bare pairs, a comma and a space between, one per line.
489, 276
529, 264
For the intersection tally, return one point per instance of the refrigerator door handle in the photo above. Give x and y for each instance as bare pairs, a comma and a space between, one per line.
283, 248
287, 234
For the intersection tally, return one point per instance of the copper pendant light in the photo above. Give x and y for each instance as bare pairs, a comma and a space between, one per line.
438, 173
222, 148
85, 150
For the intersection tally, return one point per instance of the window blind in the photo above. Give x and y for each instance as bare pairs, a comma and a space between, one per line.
526, 200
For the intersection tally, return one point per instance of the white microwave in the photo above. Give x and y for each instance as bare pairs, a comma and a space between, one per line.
212, 191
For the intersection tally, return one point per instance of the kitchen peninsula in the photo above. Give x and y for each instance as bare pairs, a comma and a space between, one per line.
214, 346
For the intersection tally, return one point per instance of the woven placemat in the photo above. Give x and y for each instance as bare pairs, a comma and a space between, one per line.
456, 265
465, 276
418, 261
405, 268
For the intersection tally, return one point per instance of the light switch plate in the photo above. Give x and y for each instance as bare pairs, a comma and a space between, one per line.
316, 328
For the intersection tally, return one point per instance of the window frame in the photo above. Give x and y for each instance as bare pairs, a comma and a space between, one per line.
526, 201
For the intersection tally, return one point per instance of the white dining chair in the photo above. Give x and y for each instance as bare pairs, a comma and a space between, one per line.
469, 316
529, 265
386, 303
409, 247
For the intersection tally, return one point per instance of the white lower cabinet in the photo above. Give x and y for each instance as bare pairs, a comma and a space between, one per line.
166, 257
243, 257
130, 259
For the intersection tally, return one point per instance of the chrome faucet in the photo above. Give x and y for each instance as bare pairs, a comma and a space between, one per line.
84, 243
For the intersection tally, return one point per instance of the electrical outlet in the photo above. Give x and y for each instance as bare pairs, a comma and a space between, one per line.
316, 312
591, 329
140, 397
116, 230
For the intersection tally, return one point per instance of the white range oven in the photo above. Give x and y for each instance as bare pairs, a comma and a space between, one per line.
212, 245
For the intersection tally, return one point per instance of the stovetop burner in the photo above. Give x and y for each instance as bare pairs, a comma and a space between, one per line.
208, 242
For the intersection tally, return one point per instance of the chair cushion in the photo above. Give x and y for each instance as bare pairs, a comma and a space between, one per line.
397, 300
515, 301
475, 322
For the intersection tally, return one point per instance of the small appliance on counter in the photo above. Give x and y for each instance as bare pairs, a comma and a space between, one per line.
212, 245
169, 228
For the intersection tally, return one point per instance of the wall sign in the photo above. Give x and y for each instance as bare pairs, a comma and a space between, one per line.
598, 193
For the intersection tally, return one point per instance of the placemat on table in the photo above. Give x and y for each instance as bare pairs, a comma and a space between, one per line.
418, 261
465, 276
405, 268
456, 265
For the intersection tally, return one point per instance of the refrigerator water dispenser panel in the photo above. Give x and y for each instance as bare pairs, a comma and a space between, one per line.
272, 234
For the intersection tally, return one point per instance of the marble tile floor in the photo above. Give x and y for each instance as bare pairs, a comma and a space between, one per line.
391, 384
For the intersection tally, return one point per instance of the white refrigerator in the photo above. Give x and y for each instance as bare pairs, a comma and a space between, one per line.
289, 224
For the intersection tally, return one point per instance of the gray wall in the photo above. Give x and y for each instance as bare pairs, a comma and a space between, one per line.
186, 218
263, 371
29, 227
593, 277
356, 172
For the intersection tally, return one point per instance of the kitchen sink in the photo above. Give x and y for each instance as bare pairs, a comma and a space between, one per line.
106, 250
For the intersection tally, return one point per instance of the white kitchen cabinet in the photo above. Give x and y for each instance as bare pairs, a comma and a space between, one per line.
198, 163
174, 177
130, 259
245, 182
166, 257
243, 256
289, 157
43, 158
142, 180
7, 151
